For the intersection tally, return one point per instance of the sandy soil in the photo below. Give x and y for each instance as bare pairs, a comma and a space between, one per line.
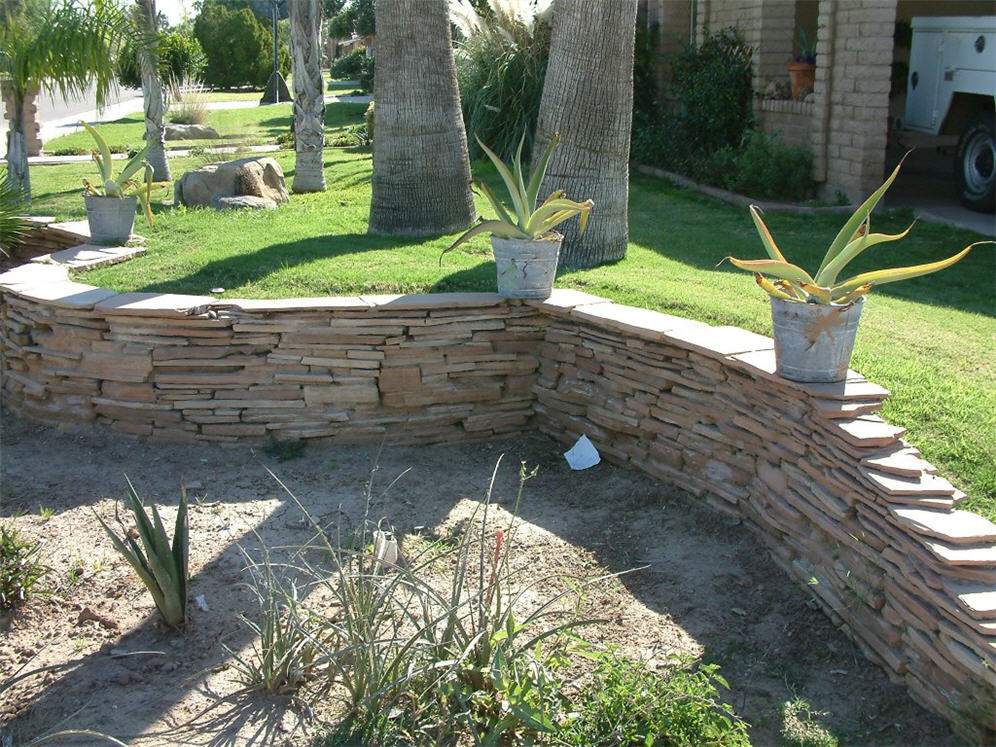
709, 588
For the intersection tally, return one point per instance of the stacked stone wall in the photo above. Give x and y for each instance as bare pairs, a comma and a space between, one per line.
845, 505
182, 368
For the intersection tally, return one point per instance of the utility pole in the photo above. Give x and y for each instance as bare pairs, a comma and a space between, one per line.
276, 88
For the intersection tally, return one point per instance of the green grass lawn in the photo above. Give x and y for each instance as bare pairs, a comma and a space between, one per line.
930, 340
253, 126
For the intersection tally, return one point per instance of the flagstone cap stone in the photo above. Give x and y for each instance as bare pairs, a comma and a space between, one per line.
957, 527
340, 303
90, 255
978, 600
719, 342
29, 275
159, 304
67, 294
904, 462
978, 554
642, 322
834, 409
868, 430
893, 485
562, 300
80, 228
415, 301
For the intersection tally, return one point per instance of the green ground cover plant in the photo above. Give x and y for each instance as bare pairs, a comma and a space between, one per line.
928, 340
21, 568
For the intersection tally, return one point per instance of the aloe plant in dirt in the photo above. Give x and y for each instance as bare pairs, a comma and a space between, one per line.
123, 184
792, 283
162, 567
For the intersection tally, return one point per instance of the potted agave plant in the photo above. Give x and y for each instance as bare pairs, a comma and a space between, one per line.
525, 246
815, 317
110, 204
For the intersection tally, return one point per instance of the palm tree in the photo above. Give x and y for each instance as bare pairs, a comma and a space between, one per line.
421, 175
309, 95
63, 47
588, 99
152, 89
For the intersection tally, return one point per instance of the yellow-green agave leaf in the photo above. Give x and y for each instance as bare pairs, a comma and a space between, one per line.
878, 277
850, 230
776, 268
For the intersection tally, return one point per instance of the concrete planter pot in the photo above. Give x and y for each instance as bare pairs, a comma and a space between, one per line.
813, 342
526, 267
111, 219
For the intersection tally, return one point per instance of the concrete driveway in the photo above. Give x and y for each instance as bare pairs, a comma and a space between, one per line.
927, 186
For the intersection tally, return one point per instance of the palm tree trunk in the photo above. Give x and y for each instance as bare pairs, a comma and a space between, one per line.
17, 144
588, 99
309, 96
421, 176
152, 92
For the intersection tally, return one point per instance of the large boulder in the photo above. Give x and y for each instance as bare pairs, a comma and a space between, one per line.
256, 177
191, 132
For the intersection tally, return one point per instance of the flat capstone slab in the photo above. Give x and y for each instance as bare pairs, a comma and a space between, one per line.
90, 255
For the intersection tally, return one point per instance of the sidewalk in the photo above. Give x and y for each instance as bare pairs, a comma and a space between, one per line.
69, 125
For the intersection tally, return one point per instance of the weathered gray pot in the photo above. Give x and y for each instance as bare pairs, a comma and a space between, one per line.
526, 267
813, 342
111, 219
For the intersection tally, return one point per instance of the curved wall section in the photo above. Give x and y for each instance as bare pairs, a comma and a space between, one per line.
845, 505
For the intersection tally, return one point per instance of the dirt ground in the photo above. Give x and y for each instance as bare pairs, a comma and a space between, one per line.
710, 588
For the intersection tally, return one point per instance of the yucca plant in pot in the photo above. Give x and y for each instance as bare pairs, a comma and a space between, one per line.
815, 317
110, 204
525, 246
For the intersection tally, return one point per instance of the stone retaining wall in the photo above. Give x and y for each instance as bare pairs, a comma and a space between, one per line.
846, 507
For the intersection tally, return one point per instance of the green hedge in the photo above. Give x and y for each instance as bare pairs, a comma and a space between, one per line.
238, 47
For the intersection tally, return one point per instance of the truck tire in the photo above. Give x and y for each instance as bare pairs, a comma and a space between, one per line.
975, 164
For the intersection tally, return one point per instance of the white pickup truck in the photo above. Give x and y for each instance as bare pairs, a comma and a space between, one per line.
951, 91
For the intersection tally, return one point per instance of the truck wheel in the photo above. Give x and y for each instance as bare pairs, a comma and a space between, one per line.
975, 164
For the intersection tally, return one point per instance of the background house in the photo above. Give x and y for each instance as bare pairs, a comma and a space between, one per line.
862, 47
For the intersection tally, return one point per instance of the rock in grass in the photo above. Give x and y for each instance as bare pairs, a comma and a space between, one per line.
253, 177
191, 132
244, 202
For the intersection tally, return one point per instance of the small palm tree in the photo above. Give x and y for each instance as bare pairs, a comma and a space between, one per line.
62, 46
309, 95
154, 103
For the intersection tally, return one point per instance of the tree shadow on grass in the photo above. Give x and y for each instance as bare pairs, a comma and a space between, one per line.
244, 269
699, 231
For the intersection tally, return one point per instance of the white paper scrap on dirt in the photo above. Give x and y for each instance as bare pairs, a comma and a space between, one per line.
582, 454
202, 603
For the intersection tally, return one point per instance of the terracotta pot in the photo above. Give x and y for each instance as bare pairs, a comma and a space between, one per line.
802, 76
